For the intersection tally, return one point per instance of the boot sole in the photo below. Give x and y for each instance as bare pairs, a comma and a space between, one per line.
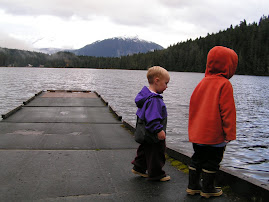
207, 195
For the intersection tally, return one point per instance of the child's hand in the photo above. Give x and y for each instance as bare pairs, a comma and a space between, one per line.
161, 135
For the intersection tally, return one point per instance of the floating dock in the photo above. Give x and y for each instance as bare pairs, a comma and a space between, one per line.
72, 146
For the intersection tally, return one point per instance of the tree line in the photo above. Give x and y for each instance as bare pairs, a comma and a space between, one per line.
250, 42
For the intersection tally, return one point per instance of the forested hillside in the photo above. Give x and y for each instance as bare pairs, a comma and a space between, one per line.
250, 42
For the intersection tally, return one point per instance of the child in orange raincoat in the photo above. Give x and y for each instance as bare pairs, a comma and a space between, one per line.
212, 120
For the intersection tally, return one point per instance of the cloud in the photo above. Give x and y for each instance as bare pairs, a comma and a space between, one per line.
213, 14
77, 23
140, 12
8, 41
137, 12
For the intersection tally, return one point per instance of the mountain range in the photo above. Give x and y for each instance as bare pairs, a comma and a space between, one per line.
113, 47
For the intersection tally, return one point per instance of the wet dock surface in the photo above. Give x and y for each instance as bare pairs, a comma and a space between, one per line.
68, 146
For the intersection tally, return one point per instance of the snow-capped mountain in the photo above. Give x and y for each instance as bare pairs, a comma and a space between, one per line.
116, 47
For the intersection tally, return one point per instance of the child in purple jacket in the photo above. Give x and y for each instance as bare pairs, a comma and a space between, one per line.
151, 109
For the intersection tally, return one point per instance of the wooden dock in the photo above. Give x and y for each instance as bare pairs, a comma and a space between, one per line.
71, 146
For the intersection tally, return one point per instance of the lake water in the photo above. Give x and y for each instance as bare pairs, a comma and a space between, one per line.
249, 153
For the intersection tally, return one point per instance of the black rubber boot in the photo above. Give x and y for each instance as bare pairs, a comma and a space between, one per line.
208, 185
194, 186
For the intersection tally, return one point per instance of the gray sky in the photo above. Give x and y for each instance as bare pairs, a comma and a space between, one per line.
29, 24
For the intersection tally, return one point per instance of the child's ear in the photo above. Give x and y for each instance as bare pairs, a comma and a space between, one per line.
157, 79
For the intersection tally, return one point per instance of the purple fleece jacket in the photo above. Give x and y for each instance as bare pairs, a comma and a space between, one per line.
151, 108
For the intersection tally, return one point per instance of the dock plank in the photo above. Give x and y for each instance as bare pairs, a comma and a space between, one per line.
65, 102
60, 136
63, 115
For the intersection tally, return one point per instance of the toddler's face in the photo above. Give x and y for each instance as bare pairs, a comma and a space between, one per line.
162, 84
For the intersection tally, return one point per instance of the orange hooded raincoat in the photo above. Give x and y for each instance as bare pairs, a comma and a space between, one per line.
212, 114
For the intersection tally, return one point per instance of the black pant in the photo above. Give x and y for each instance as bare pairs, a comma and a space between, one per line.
151, 157
207, 157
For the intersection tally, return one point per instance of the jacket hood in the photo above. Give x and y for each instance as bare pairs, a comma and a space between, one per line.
143, 95
221, 61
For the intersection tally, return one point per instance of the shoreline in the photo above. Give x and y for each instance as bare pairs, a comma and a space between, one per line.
120, 69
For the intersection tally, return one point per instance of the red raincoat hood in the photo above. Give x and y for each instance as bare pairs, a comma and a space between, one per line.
221, 61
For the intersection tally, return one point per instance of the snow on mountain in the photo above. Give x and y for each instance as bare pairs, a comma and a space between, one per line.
117, 46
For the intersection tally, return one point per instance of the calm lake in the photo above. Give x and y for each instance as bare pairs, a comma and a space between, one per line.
249, 153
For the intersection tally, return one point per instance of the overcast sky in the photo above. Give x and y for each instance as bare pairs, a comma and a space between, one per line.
29, 24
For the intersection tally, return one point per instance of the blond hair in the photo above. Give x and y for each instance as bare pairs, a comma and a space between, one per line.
156, 71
